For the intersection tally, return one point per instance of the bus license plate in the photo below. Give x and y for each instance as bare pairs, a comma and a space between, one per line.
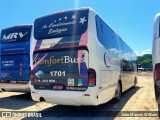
58, 87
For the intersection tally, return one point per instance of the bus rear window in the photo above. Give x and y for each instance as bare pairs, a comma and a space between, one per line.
61, 24
67, 70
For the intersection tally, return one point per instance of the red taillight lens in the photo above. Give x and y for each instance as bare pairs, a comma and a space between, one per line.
31, 76
92, 77
157, 71
31, 72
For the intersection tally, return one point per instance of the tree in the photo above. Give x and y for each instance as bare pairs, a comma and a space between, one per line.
145, 61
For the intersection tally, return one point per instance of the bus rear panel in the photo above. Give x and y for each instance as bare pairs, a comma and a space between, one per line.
15, 58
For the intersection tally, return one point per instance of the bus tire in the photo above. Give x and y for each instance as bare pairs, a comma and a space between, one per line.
135, 82
158, 110
118, 92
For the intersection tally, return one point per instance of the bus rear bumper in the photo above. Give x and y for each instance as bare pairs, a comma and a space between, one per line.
65, 97
15, 87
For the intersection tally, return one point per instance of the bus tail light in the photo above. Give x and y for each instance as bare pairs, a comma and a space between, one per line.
92, 77
157, 71
86, 94
157, 74
31, 76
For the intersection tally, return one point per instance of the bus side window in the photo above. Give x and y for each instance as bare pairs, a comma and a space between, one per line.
126, 65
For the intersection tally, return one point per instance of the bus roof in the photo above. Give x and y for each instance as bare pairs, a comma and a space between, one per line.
24, 25
62, 11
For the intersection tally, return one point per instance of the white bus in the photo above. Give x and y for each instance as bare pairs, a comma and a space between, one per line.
79, 60
156, 57
15, 58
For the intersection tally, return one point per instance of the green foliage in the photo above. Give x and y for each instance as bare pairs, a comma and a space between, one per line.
145, 61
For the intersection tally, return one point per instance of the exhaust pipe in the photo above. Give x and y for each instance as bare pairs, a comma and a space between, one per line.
3, 89
42, 99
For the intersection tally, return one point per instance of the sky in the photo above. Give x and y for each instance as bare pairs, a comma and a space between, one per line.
132, 20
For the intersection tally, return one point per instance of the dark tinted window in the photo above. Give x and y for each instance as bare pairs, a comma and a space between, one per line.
67, 67
111, 41
61, 24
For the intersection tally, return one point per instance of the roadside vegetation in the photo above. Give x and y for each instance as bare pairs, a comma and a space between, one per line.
145, 62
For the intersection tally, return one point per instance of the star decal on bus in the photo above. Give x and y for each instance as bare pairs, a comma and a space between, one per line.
65, 17
82, 20
73, 16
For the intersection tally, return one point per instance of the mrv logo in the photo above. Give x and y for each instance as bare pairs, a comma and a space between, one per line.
13, 36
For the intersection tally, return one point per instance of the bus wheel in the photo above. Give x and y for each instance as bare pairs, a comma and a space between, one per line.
158, 110
118, 92
135, 82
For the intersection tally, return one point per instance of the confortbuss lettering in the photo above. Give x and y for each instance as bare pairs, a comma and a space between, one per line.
63, 60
